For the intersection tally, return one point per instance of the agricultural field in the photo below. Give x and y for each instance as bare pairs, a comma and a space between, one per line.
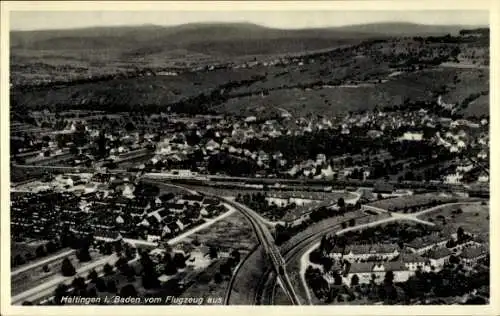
350, 72
336, 99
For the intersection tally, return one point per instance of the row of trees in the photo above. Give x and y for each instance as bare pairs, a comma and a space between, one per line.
149, 272
40, 252
64, 240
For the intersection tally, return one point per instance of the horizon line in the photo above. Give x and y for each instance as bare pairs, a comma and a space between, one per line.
482, 25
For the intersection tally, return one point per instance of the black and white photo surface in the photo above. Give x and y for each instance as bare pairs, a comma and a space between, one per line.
328, 157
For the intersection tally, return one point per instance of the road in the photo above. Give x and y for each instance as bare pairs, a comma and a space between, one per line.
46, 289
398, 216
261, 227
99, 274
265, 294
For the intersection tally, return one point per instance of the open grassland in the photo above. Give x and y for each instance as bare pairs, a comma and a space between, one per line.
472, 218
232, 232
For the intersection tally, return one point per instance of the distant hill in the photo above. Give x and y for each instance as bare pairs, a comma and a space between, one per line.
173, 35
194, 34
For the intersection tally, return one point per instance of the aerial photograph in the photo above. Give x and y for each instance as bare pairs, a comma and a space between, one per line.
253, 158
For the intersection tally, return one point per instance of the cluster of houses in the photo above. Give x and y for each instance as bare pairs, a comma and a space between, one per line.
109, 215
38, 215
429, 253
152, 220
212, 135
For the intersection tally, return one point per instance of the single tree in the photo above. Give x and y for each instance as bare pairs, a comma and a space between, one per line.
337, 279
225, 268
100, 285
78, 283
213, 253
92, 276
111, 285
354, 280
218, 278
341, 202
51, 247
40, 251
67, 268
128, 291
83, 255
179, 261
236, 255
389, 277
108, 269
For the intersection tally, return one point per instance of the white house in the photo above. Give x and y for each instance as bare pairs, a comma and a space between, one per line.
180, 224
470, 255
423, 244
438, 257
412, 261
411, 136
153, 238
212, 145
453, 178
119, 220
483, 178
327, 172
250, 119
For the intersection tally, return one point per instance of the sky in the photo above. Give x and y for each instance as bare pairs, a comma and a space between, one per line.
39, 20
